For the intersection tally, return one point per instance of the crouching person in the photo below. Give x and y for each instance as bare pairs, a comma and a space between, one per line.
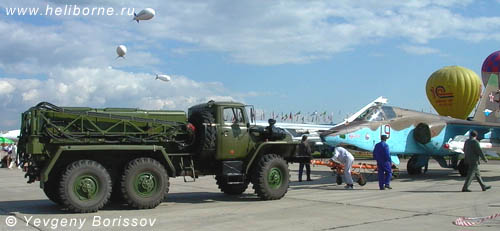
341, 155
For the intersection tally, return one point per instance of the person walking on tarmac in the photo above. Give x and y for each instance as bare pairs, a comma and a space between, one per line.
472, 153
383, 156
344, 157
305, 151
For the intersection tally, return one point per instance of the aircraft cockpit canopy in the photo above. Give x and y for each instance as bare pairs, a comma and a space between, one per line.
377, 113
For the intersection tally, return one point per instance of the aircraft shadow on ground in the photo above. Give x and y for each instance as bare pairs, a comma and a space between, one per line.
327, 177
441, 175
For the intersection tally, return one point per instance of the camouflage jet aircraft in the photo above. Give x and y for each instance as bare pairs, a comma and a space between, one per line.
422, 135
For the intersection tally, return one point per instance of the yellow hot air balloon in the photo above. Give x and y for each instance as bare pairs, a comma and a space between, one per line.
453, 91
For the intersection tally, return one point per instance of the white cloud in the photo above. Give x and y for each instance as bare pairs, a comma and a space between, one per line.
30, 49
104, 87
277, 32
254, 32
419, 50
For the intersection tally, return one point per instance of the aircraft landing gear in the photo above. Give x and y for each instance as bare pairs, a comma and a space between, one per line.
412, 166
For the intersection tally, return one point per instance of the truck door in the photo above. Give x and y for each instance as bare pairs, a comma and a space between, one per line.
233, 137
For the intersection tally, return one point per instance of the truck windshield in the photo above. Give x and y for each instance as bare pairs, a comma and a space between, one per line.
233, 115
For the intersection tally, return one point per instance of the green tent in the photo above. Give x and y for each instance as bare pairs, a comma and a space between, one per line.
4, 140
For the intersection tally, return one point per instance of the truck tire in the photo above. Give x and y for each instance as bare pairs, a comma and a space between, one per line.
204, 144
230, 189
144, 183
51, 187
271, 177
85, 186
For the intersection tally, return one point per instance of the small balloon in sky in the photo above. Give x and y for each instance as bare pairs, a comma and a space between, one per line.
121, 50
145, 14
165, 78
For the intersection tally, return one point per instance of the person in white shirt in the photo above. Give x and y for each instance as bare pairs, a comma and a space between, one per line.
341, 155
13, 155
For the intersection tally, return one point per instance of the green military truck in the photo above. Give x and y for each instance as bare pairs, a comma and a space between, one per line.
85, 157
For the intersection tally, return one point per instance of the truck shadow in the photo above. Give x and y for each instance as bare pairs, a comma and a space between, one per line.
210, 197
31, 207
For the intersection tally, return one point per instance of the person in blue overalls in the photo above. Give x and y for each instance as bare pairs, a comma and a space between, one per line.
382, 155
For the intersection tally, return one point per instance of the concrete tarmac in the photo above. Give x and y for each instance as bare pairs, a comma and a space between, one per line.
430, 201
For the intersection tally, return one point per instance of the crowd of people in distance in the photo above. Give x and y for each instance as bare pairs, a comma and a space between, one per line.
8, 156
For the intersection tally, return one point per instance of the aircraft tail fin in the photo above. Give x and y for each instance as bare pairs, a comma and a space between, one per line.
488, 109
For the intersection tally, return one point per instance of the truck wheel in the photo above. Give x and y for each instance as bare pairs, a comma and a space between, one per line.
230, 189
462, 168
85, 186
51, 189
271, 177
205, 134
144, 183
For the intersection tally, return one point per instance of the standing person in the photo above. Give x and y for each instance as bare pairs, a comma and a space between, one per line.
3, 156
383, 156
13, 155
305, 151
344, 157
472, 153
8, 149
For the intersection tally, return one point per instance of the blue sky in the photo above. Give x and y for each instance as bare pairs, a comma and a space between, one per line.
282, 56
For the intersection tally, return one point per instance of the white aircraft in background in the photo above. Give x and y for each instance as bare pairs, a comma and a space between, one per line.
12, 134
297, 130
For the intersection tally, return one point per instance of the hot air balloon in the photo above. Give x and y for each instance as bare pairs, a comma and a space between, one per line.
121, 50
491, 65
453, 91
